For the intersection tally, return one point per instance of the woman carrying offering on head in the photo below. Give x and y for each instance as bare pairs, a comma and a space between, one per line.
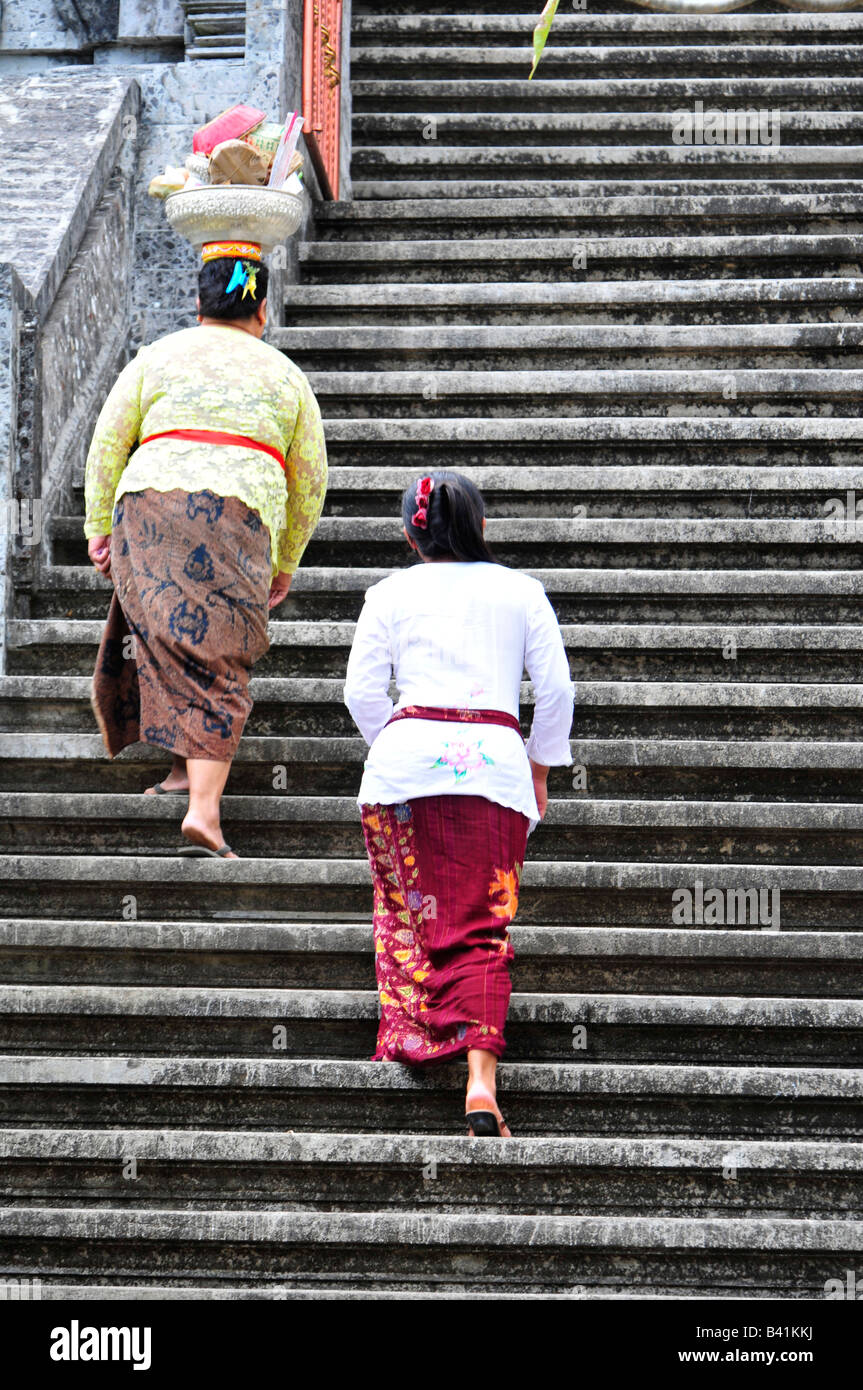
201, 529
449, 792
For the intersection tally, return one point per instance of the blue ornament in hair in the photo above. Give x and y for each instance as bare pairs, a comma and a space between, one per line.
239, 277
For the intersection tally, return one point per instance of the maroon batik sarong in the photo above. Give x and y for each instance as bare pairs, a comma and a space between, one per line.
446, 873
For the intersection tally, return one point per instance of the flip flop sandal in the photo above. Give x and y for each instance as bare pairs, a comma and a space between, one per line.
201, 852
483, 1124
161, 790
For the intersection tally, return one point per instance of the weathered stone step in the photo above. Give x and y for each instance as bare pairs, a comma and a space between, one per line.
794, 432
497, 130
542, 259
313, 954
357, 1172
417, 29
625, 709
596, 302
585, 347
635, 391
575, 826
578, 595
542, 490
790, 769
634, 651
589, 215
807, 896
794, 1258
337, 1023
553, 94
409, 162
616, 184
576, 638
611, 60
601, 1099
602, 542
506, 532
258, 1292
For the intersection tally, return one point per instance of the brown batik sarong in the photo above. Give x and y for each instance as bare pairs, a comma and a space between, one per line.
187, 622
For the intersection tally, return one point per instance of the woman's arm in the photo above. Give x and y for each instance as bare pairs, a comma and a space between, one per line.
116, 433
369, 672
306, 474
548, 668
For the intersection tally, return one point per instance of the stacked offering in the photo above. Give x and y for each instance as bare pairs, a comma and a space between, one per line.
242, 181
240, 146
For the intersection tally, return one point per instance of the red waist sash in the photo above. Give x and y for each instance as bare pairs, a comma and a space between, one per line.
218, 437
458, 716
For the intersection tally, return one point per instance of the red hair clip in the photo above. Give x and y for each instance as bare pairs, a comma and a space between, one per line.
420, 517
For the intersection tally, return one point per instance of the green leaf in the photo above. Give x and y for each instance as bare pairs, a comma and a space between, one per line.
541, 33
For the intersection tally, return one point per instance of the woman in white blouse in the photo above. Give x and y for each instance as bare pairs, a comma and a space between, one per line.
450, 792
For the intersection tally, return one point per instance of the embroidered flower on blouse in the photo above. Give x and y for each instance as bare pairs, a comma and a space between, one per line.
463, 757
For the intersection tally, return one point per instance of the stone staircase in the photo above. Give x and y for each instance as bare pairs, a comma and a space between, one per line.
649, 358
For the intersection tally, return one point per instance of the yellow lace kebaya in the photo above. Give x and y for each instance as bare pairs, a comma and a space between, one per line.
213, 377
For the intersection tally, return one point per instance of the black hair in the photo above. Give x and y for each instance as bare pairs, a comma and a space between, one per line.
454, 522
213, 280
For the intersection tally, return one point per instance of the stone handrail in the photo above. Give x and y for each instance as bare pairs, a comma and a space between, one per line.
65, 278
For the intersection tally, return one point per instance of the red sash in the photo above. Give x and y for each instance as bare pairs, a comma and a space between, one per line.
458, 716
218, 437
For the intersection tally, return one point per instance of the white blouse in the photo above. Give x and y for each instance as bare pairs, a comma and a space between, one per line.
458, 635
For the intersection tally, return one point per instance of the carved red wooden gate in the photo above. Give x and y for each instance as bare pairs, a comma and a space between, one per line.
322, 60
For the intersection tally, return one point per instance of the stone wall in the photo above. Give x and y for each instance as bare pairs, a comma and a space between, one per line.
14, 305
65, 241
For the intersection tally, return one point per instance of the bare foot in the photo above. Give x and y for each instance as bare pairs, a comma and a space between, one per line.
481, 1098
209, 835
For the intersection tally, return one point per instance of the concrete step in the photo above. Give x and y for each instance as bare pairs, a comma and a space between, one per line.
567, 160
621, 60
617, 184
314, 954
597, 391
590, 214
705, 768
336, 1023
792, 1258
818, 92
578, 595
357, 1172
599, 651
795, 896
552, 259
648, 28
603, 542
574, 827
806, 300
313, 706
582, 347
313, 1293
543, 1098
608, 491
471, 130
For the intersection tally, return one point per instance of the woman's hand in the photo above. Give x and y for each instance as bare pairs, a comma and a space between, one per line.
99, 550
540, 786
279, 589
